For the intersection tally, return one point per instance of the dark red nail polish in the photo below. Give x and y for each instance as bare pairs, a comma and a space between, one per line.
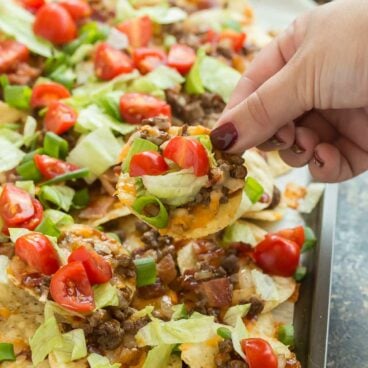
297, 149
317, 160
224, 136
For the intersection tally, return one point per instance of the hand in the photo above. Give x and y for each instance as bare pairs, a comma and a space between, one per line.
306, 94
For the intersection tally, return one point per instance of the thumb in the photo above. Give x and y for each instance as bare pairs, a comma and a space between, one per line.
264, 112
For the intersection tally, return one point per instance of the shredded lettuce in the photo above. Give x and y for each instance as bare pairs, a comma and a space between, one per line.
146, 311
164, 77
138, 145
99, 361
105, 295
253, 189
175, 188
194, 330
17, 22
53, 221
238, 334
46, 339
218, 77
179, 312
17, 232
234, 312
193, 84
239, 231
10, 155
96, 151
158, 357
146, 86
93, 117
53, 309
73, 347
59, 195
162, 14
27, 185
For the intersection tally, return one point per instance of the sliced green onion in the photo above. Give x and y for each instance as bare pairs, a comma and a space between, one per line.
146, 271
138, 145
310, 239
160, 220
77, 174
81, 198
48, 227
300, 273
285, 334
4, 80
55, 146
18, 96
6, 351
253, 189
54, 62
224, 332
29, 171
30, 155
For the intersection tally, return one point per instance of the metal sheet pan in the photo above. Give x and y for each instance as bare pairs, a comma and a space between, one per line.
312, 309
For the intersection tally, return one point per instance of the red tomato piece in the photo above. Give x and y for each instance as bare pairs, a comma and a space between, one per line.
138, 30
11, 52
71, 288
78, 9
188, 153
36, 219
59, 118
97, 268
137, 106
110, 62
295, 234
32, 5
146, 59
55, 24
51, 167
15, 205
147, 163
181, 58
237, 39
277, 256
37, 251
259, 353
45, 93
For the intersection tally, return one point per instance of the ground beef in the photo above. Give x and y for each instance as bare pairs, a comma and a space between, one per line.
230, 264
100, 11
159, 138
151, 291
124, 266
108, 335
160, 122
227, 357
256, 307
7, 249
276, 198
37, 281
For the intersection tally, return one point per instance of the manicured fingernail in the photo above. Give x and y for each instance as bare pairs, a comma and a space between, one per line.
224, 136
276, 141
297, 149
317, 160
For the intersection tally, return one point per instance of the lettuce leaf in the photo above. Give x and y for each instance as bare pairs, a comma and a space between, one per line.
164, 77
99, 361
46, 339
175, 188
162, 14
105, 295
16, 232
158, 357
17, 22
73, 347
59, 195
238, 232
232, 314
10, 155
238, 334
138, 145
193, 84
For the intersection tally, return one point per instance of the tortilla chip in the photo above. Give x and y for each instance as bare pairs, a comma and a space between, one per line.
82, 363
266, 215
200, 355
117, 211
277, 166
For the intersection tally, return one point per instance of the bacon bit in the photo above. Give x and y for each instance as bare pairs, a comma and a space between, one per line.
293, 194
97, 208
166, 269
23, 74
217, 292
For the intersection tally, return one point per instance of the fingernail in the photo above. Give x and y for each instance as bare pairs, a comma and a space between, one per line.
297, 149
317, 160
224, 136
276, 141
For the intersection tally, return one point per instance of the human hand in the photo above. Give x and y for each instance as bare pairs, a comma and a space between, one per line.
306, 94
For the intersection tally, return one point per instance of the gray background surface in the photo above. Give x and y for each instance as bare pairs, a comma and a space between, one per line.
348, 337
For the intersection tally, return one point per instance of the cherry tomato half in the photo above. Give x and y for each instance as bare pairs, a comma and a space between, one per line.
277, 256
11, 52
37, 251
78, 9
259, 353
51, 167
188, 153
59, 118
147, 163
138, 30
97, 268
146, 59
71, 289
15, 205
45, 93
136, 106
36, 219
295, 234
181, 58
55, 24
32, 5
110, 62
